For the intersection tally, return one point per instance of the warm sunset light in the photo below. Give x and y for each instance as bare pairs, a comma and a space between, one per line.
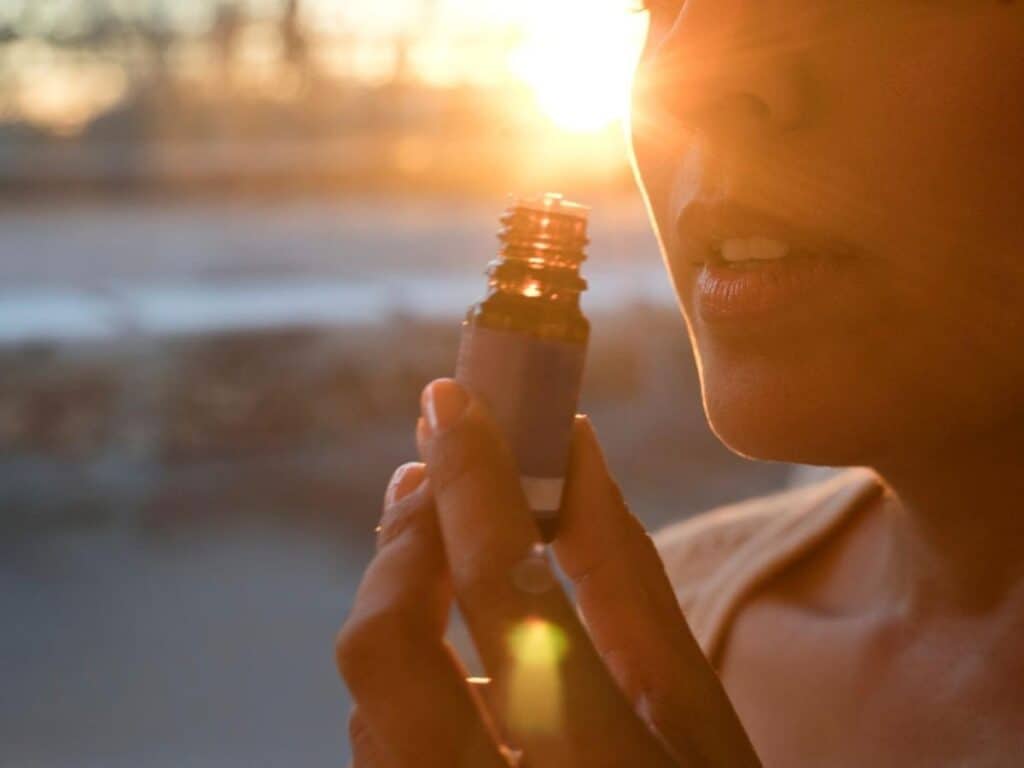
454, 94
574, 56
578, 57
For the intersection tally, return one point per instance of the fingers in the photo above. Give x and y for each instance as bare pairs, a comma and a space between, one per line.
395, 516
518, 616
415, 707
364, 750
624, 595
365, 753
485, 524
633, 617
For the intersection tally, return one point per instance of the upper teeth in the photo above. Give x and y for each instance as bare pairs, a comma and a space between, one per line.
753, 249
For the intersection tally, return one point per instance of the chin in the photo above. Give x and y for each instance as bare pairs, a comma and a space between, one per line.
765, 412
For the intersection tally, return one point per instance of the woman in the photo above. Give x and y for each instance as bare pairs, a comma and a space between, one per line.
835, 186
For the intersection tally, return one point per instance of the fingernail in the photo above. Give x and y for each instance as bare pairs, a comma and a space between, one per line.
443, 402
405, 480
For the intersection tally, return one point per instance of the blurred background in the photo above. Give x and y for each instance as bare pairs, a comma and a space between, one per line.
236, 239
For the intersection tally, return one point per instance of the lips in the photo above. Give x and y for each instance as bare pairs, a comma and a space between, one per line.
747, 265
704, 228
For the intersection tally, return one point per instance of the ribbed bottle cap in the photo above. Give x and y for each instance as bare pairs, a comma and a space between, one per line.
548, 230
553, 203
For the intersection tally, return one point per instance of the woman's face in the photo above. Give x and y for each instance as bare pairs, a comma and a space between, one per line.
877, 146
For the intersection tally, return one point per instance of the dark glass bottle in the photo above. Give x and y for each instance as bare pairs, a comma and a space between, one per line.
523, 345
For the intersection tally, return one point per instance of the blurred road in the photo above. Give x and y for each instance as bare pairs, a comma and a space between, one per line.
124, 651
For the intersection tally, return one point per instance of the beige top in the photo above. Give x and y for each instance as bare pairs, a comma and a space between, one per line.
716, 560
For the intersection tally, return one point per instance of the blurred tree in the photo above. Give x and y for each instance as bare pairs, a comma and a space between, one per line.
158, 36
225, 34
293, 37
405, 38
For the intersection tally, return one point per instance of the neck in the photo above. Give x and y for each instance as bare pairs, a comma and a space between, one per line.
957, 532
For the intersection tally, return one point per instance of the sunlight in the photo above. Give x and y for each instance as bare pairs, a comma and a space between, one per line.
57, 89
578, 57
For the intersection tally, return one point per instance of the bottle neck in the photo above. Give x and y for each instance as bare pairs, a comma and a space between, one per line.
534, 284
538, 284
542, 305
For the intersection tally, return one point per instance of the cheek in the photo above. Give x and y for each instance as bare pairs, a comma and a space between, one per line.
965, 161
932, 115
929, 139
951, 169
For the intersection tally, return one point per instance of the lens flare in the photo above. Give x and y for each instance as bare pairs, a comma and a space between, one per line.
535, 687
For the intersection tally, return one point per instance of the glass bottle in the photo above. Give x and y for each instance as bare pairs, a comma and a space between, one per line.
523, 346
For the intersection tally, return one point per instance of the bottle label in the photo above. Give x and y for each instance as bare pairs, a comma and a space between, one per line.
532, 388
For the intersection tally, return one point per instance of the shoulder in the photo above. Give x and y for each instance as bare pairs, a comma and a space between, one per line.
715, 559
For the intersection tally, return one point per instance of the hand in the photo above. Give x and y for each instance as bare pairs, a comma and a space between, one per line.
631, 687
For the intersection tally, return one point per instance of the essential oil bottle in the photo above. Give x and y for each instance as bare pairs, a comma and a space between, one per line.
523, 346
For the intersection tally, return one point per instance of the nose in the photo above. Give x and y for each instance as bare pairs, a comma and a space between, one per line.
725, 68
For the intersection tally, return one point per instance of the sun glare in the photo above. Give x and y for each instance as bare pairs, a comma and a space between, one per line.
577, 56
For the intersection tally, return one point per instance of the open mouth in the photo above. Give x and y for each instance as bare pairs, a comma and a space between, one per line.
740, 237
743, 252
749, 264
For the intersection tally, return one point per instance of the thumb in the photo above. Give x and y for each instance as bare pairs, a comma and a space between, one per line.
634, 619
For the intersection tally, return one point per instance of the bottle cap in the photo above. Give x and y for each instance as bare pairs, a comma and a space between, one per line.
546, 231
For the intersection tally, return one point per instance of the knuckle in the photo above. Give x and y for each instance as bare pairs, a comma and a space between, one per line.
588, 571
624, 668
658, 707
358, 732
476, 579
668, 714
404, 518
456, 457
473, 447
362, 642
364, 748
492, 589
